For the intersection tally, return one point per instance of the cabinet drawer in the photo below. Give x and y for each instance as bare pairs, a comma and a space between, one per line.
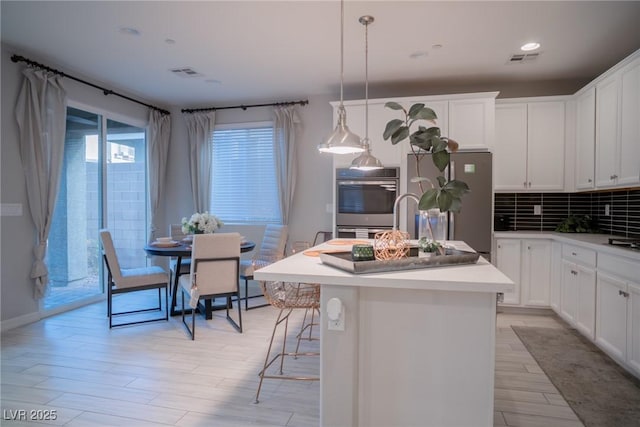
621, 267
579, 254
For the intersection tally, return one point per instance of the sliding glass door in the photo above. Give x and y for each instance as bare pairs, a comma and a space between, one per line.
103, 184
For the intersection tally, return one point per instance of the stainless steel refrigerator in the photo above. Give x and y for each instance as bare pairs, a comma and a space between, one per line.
473, 223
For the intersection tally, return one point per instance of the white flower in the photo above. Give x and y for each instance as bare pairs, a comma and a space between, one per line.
201, 223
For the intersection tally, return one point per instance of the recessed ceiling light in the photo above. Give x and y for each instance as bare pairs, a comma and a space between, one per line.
529, 46
129, 31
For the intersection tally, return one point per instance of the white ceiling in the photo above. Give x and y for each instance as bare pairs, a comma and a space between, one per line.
273, 51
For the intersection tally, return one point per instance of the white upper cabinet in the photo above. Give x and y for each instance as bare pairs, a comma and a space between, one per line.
630, 125
585, 139
545, 145
466, 118
618, 128
510, 152
606, 131
529, 146
471, 123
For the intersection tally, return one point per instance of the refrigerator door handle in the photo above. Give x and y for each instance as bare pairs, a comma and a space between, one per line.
450, 216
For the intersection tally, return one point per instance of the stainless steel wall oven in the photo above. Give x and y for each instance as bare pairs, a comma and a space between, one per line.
365, 199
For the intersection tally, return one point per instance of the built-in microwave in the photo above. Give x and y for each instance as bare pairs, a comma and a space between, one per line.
364, 199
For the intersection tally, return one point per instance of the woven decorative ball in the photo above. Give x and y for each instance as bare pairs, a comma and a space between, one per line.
392, 244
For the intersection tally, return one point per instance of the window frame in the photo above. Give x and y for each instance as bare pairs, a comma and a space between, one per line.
242, 126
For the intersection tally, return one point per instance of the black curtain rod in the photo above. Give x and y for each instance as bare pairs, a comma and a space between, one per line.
18, 58
244, 107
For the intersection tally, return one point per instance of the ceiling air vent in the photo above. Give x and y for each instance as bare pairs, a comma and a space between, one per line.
185, 72
519, 58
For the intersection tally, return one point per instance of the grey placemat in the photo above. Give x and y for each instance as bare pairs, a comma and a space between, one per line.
599, 391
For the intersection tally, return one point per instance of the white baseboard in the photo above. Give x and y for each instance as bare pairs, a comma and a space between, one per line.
16, 322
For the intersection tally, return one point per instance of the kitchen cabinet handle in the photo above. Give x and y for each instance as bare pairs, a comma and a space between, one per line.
529, 184
574, 254
524, 184
624, 294
589, 180
613, 176
575, 273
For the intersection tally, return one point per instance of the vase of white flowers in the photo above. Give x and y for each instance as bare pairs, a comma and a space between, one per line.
201, 223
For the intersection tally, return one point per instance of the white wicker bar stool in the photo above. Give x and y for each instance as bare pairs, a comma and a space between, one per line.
288, 297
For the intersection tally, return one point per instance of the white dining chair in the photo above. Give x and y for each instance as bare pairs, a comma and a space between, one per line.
123, 280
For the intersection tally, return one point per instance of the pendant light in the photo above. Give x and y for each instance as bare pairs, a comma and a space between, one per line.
342, 140
366, 161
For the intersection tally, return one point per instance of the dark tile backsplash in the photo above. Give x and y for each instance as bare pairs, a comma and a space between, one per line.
623, 218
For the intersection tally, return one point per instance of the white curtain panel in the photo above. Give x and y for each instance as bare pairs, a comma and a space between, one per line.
159, 131
284, 141
200, 132
41, 114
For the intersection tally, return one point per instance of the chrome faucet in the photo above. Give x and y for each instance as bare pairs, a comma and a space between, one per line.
397, 202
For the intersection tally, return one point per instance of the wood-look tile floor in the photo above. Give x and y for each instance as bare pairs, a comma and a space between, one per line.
154, 375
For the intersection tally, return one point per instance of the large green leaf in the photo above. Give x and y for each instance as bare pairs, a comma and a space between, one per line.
439, 144
428, 200
420, 112
392, 128
457, 188
414, 110
433, 130
399, 135
426, 113
394, 105
445, 200
441, 159
456, 204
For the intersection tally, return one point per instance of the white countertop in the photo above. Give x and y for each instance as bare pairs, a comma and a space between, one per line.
479, 277
597, 242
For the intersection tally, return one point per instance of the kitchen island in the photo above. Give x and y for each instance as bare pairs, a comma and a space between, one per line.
417, 347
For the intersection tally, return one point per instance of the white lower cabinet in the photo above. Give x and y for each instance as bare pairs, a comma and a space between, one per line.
618, 310
536, 272
528, 263
569, 293
633, 327
578, 288
586, 305
508, 261
555, 283
612, 316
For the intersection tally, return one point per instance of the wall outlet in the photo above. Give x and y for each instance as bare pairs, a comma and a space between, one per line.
606, 210
537, 209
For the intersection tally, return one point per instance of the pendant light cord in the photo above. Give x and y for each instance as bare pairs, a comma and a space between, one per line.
366, 82
341, 50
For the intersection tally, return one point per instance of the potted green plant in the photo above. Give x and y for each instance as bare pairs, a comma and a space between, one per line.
447, 195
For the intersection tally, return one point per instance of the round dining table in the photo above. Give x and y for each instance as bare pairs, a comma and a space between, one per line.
181, 250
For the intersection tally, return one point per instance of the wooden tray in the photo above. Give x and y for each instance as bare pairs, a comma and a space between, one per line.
343, 261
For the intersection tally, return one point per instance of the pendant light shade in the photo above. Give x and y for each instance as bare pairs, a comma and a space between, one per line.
366, 161
341, 140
